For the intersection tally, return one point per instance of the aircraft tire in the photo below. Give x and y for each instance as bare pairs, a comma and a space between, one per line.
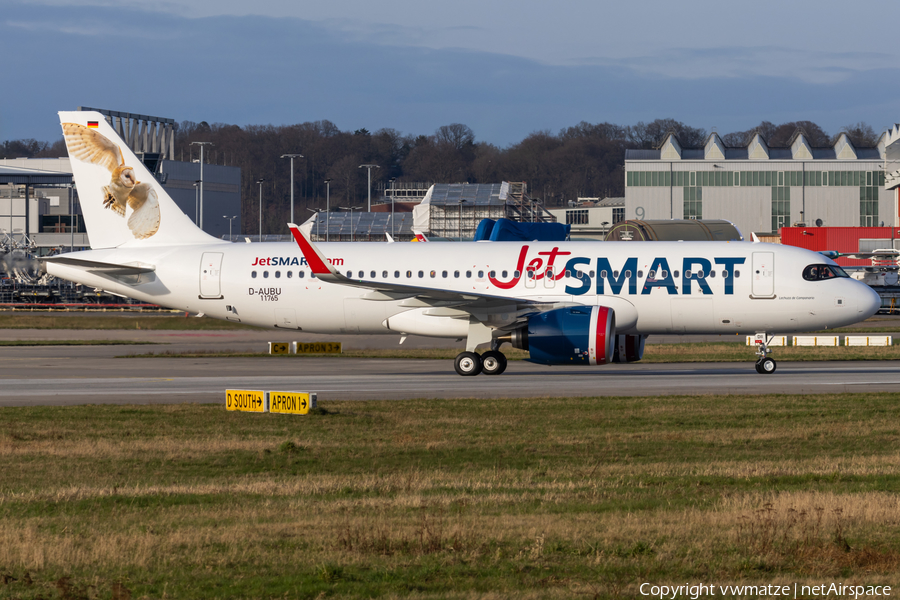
468, 364
493, 362
766, 366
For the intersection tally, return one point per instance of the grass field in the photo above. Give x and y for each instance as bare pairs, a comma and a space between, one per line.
149, 322
72, 343
546, 498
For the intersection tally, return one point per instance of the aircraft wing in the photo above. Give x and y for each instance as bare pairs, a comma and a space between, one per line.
383, 290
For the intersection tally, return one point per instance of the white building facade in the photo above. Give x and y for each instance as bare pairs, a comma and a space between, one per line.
761, 189
591, 218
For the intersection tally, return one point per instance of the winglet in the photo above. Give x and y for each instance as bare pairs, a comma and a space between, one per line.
314, 258
420, 237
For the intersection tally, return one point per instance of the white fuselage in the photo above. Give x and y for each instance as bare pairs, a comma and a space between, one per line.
697, 287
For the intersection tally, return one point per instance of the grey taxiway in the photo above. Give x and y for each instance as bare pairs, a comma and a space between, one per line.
60, 375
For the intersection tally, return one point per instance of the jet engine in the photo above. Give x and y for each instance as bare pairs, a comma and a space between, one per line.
580, 335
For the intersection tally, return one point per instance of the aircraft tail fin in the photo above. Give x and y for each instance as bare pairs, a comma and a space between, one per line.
121, 200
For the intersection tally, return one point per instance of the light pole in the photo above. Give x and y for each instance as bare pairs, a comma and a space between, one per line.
393, 179
201, 144
292, 157
327, 208
230, 219
260, 182
369, 169
197, 202
351, 209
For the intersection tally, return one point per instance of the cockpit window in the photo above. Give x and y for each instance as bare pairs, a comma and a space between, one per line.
820, 272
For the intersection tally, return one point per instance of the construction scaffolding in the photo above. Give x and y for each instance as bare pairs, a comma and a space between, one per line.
454, 210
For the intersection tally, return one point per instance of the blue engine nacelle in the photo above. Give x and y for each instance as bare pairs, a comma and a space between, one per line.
580, 335
629, 348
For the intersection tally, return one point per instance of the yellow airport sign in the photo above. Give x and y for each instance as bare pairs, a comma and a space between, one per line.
279, 348
291, 403
318, 348
245, 400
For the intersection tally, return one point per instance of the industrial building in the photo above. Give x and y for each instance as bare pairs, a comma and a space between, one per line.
38, 205
762, 189
590, 218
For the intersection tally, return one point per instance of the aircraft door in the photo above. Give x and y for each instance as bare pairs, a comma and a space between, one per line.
549, 279
211, 275
530, 281
763, 275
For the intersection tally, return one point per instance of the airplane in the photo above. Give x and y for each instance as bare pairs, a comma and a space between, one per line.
566, 303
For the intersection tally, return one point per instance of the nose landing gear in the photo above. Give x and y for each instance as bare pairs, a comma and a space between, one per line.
765, 365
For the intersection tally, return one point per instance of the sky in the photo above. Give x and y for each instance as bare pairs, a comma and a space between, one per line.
506, 69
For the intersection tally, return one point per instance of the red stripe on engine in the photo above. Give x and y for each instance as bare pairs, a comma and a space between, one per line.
600, 334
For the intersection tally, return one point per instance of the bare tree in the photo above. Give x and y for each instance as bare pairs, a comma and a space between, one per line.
779, 136
346, 175
652, 134
861, 134
457, 135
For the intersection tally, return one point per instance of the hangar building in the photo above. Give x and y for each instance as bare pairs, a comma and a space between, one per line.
761, 189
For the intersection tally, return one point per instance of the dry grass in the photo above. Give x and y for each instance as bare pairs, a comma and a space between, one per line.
150, 322
424, 499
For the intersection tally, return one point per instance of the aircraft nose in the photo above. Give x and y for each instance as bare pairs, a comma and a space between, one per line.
869, 302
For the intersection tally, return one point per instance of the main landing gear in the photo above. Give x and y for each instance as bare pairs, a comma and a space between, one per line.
492, 362
765, 365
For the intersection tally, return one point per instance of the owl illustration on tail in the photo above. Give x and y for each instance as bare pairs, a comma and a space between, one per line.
124, 190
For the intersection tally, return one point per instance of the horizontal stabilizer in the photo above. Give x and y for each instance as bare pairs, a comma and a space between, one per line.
101, 267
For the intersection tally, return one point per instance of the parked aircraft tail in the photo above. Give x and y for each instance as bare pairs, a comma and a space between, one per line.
122, 202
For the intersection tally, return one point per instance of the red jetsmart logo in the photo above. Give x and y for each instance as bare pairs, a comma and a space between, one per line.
288, 261
534, 268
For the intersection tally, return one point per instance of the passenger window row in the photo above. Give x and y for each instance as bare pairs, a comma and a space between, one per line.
277, 274
530, 274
